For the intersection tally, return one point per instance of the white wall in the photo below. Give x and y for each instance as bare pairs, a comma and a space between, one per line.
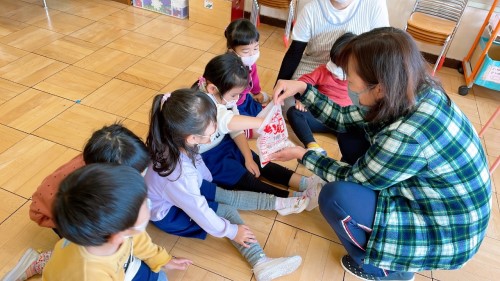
399, 11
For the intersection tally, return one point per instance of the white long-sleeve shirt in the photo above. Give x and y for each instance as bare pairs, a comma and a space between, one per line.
182, 189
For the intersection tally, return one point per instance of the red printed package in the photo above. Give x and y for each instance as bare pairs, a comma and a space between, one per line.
273, 133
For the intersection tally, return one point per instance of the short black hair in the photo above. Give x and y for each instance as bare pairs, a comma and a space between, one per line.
116, 144
339, 44
97, 201
226, 72
241, 32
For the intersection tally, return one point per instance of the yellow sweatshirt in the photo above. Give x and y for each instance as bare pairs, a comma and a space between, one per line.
70, 261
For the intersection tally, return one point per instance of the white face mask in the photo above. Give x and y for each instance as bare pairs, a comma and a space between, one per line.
336, 70
230, 104
250, 60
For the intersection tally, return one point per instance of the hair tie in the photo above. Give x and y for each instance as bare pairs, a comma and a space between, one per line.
164, 98
202, 83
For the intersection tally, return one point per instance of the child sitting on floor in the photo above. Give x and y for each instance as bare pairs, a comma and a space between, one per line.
184, 200
331, 81
102, 212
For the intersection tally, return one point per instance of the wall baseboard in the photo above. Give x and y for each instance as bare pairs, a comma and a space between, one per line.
431, 58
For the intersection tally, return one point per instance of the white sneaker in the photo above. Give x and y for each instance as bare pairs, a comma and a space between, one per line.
274, 268
315, 185
22, 265
297, 205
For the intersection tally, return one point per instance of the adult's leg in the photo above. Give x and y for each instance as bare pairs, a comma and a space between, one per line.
252, 254
351, 220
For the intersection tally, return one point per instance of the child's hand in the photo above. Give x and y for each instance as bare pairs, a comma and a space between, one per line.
178, 264
259, 97
300, 106
244, 236
252, 167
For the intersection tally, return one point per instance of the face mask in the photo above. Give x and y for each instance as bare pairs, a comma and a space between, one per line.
230, 104
249, 61
142, 227
355, 100
336, 70
341, 2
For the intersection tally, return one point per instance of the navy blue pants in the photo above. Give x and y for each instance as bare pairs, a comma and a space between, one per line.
177, 222
349, 208
146, 274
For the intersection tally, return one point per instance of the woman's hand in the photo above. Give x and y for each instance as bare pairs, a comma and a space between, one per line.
287, 88
178, 264
244, 236
289, 153
299, 106
252, 167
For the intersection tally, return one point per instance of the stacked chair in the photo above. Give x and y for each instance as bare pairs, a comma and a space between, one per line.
278, 4
435, 22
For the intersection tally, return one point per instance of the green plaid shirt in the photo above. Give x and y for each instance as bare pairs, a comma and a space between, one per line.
430, 168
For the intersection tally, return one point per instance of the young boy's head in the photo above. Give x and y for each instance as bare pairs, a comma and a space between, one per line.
116, 144
99, 202
339, 44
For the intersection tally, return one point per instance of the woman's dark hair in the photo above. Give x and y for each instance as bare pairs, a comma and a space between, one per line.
226, 72
116, 144
389, 57
241, 32
97, 201
339, 44
185, 112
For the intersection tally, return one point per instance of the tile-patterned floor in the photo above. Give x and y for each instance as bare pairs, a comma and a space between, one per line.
81, 64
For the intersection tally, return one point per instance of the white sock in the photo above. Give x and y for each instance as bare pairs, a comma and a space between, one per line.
282, 203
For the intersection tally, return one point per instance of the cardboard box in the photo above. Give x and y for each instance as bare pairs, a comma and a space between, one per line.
175, 8
215, 13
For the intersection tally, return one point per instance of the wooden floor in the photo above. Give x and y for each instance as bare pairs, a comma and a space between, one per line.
82, 64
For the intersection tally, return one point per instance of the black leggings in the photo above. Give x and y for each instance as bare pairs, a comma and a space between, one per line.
273, 172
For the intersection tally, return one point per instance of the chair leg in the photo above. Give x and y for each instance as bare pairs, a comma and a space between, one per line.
495, 165
483, 130
45, 4
488, 123
441, 55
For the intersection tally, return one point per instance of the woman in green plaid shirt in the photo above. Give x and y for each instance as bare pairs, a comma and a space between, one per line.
420, 197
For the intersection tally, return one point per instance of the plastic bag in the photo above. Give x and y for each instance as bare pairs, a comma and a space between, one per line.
273, 133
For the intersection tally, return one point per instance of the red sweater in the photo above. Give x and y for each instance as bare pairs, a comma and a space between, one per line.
43, 198
329, 85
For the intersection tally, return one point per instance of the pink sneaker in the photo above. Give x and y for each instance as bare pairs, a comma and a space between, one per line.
19, 271
313, 190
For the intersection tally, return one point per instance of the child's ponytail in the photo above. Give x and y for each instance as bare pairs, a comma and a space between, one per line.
173, 118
